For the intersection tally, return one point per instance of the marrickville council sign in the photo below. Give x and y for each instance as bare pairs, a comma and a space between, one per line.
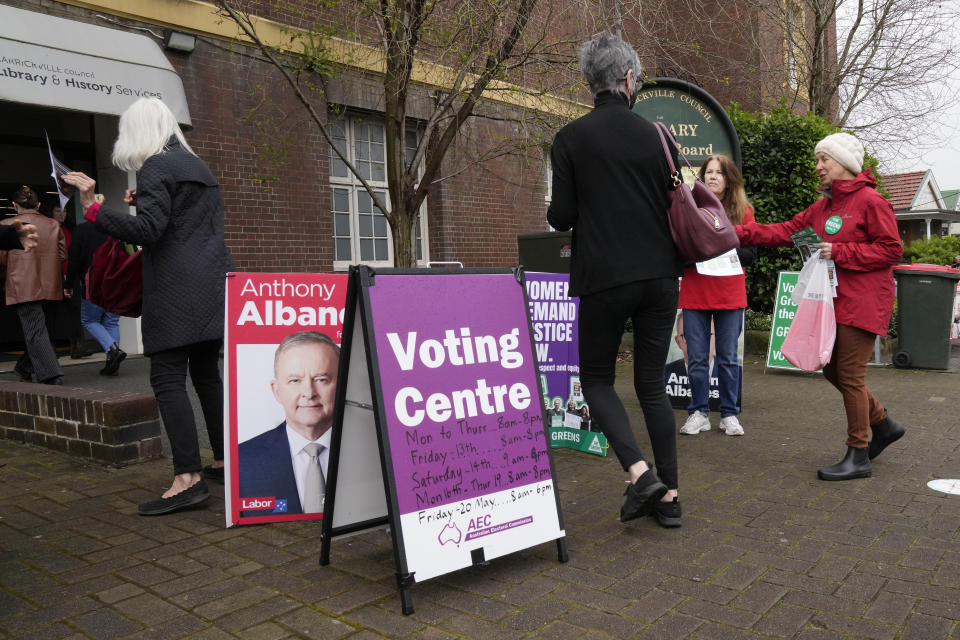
698, 122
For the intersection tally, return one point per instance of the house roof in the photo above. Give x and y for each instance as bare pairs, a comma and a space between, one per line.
951, 198
903, 188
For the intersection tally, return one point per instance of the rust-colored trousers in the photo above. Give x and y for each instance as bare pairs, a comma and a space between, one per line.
847, 371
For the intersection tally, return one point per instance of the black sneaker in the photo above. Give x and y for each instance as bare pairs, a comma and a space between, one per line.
641, 496
667, 513
114, 357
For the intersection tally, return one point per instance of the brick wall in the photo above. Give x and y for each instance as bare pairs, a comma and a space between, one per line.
116, 428
267, 154
271, 160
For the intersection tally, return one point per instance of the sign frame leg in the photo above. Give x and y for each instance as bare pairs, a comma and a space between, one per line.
404, 582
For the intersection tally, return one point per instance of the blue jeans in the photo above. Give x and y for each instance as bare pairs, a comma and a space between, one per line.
102, 325
727, 324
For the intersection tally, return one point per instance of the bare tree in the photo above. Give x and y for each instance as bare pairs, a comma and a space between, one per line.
510, 49
877, 67
892, 60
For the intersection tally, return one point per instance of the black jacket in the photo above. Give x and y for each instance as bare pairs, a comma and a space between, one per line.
610, 185
84, 242
179, 224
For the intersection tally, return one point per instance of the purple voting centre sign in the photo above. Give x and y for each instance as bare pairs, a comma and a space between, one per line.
465, 438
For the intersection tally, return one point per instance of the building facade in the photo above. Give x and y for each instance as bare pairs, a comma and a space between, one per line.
290, 205
922, 210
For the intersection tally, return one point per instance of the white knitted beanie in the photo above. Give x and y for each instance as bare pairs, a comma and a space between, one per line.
843, 148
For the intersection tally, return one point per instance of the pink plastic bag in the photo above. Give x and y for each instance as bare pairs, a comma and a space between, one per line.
809, 341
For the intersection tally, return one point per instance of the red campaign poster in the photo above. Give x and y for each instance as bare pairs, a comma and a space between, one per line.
281, 352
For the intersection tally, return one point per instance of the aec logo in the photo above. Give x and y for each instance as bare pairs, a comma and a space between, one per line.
257, 504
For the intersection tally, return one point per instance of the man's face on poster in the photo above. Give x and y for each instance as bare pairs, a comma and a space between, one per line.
305, 385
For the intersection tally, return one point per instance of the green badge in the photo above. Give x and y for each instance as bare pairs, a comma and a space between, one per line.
833, 224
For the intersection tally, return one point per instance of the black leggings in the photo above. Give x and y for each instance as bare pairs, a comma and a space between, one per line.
168, 377
652, 305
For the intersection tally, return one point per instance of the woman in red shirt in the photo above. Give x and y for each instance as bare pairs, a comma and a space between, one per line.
713, 300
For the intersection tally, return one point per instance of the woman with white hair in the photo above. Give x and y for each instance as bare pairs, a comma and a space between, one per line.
611, 186
860, 235
179, 223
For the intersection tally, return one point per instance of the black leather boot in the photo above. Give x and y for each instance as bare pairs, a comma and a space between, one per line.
856, 464
885, 433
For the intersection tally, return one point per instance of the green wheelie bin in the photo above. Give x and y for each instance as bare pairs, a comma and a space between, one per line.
925, 295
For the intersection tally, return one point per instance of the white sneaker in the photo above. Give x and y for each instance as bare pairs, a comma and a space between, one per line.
697, 422
731, 426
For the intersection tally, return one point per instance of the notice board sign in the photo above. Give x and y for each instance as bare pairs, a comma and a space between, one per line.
262, 422
453, 383
784, 309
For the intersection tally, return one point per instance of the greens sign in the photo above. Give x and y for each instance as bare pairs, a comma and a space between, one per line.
697, 121
784, 309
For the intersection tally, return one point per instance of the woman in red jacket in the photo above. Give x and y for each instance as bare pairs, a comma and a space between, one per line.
713, 302
860, 235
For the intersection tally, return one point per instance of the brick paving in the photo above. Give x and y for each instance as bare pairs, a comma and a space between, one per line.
766, 550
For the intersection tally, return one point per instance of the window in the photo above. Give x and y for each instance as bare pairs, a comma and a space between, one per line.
547, 184
361, 233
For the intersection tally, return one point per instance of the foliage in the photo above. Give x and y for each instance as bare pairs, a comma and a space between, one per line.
933, 251
780, 177
756, 321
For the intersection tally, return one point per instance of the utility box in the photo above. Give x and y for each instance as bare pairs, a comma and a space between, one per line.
548, 252
925, 294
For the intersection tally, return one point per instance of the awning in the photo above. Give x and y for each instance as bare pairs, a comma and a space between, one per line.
67, 64
944, 215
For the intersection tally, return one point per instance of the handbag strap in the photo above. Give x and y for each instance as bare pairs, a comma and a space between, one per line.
661, 128
663, 140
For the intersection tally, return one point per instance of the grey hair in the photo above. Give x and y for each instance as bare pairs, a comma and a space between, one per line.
145, 128
300, 338
604, 61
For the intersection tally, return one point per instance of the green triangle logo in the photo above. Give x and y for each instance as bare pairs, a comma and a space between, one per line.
595, 445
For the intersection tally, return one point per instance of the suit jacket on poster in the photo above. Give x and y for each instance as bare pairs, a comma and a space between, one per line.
266, 470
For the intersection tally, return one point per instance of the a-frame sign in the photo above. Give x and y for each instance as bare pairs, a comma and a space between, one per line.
441, 433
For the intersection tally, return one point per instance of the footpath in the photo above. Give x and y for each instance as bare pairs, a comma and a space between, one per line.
766, 550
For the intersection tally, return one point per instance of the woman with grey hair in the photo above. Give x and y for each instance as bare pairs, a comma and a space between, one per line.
611, 186
179, 223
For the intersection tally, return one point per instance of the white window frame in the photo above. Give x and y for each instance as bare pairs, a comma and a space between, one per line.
357, 194
548, 186
794, 38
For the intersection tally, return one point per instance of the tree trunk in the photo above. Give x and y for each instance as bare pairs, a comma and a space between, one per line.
404, 234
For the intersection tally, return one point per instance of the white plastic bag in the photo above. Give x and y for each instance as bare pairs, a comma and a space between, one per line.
809, 341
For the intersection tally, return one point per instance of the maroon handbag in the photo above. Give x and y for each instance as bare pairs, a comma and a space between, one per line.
115, 278
698, 223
